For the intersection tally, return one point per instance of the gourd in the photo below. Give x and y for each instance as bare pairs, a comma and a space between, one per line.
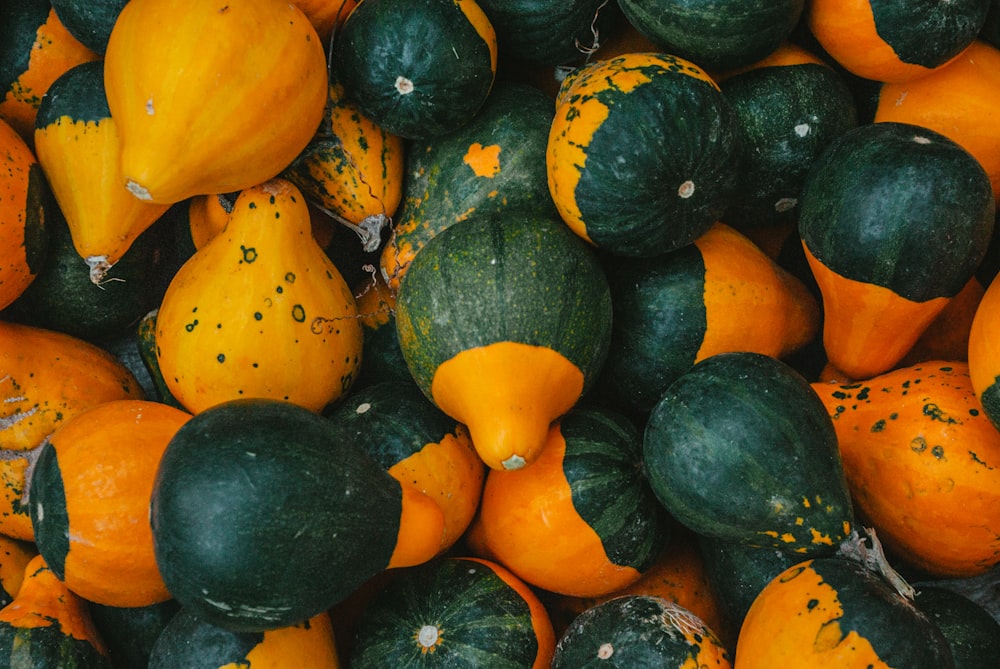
919, 452
262, 516
326, 16
418, 445
454, 611
581, 520
720, 293
519, 351
78, 147
35, 48
493, 164
790, 105
741, 448
554, 32
390, 56
643, 153
376, 304
46, 378
883, 271
188, 642
973, 634
279, 321
639, 631
89, 21
957, 100
169, 89
131, 632
14, 557
48, 625
833, 612
719, 36
91, 522
23, 206
894, 41
352, 169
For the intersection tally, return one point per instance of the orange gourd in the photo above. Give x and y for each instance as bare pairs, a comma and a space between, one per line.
46, 378
22, 215
216, 115
90, 497
326, 15
921, 460
259, 311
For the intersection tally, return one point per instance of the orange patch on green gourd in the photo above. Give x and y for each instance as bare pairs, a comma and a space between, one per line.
483, 160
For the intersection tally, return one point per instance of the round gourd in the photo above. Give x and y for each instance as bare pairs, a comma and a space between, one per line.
454, 612
720, 293
48, 625
643, 153
718, 35
741, 448
834, 612
554, 32
504, 323
790, 105
24, 200
169, 89
418, 68
78, 147
91, 522
188, 642
278, 322
894, 220
262, 516
418, 445
639, 631
581, 519
894, 40
493, 164
918, 451
35, 49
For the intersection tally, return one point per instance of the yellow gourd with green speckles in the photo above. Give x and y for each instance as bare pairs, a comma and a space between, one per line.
260, 311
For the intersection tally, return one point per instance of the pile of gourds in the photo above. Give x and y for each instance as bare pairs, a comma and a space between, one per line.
499, 334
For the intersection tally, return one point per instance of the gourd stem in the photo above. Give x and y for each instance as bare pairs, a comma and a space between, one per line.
369, 229
873, 557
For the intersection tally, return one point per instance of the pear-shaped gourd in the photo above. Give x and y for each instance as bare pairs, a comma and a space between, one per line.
894, 219
504, 322
264, 516
212, 97
259, 311
78, 148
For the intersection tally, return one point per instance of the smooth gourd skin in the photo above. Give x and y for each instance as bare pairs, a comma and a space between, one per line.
24, 203
48, 626
890, 41
741, 448
78, 146
790, 106
49, 378
554, 32
170, 89
454, 612
720, 293
493, 164
511, 356
831, 613
91, 523
581, 520
894, 220
652, 192
717, 34
89, 21
919, 452
262, 518
639, 631
188, 642
390, 56
35, 48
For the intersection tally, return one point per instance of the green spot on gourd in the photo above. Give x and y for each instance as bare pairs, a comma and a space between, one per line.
249, 254
879, 425
221, 357
257, 315
298, 313
290, 277
190, 326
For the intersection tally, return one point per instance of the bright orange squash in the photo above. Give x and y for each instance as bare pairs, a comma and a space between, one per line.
259, 311
249, 110
23, 236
